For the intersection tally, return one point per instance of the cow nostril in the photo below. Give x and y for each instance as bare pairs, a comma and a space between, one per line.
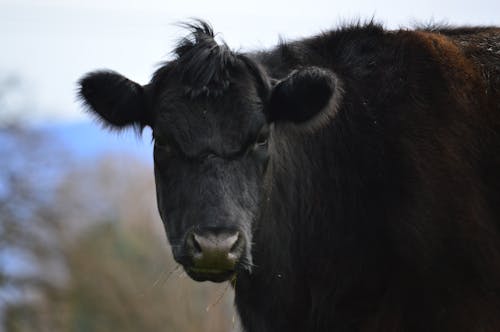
236, 246
232, 241
195, 244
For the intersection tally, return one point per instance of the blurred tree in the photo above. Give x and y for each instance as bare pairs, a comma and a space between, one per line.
99, 218
29, 226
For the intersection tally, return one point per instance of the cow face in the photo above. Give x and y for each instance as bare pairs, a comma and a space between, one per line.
211, 153
212, 112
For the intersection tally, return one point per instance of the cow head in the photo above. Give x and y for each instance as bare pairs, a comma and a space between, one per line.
212, 113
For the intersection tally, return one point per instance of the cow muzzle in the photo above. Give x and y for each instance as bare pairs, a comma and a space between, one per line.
213, 254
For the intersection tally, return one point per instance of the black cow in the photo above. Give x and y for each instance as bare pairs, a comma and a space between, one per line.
344, 182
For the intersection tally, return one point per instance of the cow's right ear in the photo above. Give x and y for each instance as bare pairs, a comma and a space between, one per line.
308, 95
117, 101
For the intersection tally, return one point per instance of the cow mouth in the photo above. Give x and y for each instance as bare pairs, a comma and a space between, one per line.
208, 274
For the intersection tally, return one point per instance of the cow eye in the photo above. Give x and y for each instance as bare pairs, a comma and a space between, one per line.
262, 138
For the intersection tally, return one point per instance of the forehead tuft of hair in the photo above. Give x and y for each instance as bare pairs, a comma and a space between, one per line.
201, 63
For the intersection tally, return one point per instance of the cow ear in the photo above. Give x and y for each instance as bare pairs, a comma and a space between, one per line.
117, 101
306, 94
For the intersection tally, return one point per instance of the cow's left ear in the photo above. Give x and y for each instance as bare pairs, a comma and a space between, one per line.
117, 101
304, 95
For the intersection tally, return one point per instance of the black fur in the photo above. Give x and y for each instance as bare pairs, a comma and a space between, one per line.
385, 217
202, 64
301, 95
117, 100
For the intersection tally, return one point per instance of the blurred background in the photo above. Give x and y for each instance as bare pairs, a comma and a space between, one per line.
81, 245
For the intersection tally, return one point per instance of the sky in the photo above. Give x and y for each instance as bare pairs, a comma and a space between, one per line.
47, 45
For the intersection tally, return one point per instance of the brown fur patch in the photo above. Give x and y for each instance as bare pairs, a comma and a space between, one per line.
462, 74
